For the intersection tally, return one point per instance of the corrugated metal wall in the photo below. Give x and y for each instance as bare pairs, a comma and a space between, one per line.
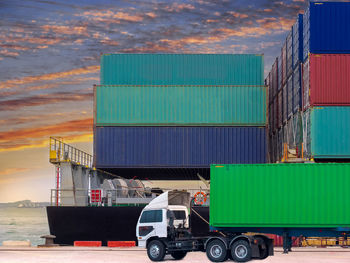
180, 105
295, 195
329, 25
181, 69
178, 147
329, 79
330, 132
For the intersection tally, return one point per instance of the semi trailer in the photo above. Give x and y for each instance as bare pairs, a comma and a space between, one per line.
300, 199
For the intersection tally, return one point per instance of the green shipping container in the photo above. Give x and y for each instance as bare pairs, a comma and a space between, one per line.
327, 132
182, 69
180, 105
280, 195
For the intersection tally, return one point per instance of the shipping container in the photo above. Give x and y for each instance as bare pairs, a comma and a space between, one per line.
268, 84
241, 195
280, 108
280, 73
181, 69
298, 41
306, 84
276, 113
180, 105
275, 77
179, 151
329, 80
270, 117
285, 103
297, 90
326, 132
284, 62
327, 27
289, 43
290, 92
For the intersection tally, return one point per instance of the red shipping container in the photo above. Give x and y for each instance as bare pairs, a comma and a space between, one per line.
329, 80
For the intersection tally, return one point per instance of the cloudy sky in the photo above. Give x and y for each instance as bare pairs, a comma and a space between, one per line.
49, 60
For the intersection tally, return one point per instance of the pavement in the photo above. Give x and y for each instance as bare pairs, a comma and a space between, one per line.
137, 255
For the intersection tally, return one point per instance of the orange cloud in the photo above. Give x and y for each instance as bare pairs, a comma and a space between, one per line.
76, 130
7, 53
10, 171
238, 15
176, 7
50, 76
66, 30
44, 99
112, 17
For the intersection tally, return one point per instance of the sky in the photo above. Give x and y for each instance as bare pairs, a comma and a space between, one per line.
49, 61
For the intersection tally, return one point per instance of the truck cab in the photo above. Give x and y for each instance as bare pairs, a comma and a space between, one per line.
158, 219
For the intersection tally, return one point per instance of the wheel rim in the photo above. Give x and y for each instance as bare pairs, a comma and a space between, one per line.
154, 251
216, 251
241, 251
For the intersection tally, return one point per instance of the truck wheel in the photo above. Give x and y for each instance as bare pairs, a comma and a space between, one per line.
216, 251
156, 250
178, 254
241, 251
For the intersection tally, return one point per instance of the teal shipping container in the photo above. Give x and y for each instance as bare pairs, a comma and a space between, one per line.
327, 132
182, 69
180, 105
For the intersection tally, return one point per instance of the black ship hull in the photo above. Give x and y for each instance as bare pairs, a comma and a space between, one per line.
105, 224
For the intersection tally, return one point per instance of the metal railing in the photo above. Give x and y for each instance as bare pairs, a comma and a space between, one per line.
62, 152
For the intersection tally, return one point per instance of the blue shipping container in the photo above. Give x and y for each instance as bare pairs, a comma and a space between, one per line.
117, 148
327, 28
298, 41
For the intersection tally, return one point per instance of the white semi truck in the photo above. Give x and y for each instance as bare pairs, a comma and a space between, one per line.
163, 228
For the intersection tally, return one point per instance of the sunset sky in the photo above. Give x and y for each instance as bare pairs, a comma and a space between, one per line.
49, 60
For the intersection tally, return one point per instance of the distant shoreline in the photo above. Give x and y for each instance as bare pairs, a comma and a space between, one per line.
24, 204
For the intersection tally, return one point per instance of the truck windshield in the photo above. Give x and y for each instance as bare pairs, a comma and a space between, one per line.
179, 215
152, 216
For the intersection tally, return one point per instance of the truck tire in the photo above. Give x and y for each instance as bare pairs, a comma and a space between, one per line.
156, 250
178, 255
216, 251
241, 251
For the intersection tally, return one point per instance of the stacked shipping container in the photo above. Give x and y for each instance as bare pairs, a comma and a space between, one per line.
320, 77
162, 116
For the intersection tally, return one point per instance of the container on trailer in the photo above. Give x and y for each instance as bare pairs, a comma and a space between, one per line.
298, 41
290, 96
303, 191
285, 102
181, 69
297, 90
289, 43
181, 151
326, 28
329, 80
180, 105
280, 108
284, 62
326, 132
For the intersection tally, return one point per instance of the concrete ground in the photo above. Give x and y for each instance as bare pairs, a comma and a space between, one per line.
131, 255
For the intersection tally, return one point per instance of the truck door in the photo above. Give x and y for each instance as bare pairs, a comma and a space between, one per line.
153, 223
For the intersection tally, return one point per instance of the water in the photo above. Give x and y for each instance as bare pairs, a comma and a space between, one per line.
23, 224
